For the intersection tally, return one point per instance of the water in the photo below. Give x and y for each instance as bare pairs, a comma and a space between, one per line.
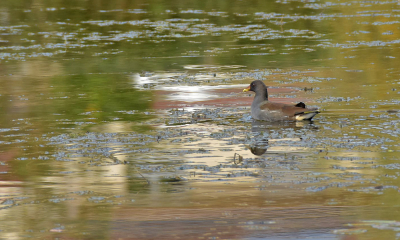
126, 120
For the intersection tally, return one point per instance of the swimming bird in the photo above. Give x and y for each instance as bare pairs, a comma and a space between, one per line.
262, 109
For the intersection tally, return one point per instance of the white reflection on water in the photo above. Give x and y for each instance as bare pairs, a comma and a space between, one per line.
171, 82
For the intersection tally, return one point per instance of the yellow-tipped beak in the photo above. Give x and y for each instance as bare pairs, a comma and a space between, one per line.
246, 89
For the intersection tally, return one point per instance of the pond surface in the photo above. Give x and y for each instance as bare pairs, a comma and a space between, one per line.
127, 120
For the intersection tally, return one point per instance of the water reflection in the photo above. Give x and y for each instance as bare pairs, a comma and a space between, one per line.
262, 141
182, 89
86, 152
259, 126
259, 149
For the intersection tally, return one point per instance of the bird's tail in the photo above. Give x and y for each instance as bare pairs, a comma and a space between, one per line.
305, 115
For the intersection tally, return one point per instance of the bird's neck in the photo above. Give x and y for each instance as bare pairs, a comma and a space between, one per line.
261, 96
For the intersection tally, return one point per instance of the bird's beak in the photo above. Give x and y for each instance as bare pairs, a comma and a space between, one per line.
246, 89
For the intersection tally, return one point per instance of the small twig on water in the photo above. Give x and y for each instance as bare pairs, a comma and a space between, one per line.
240, 158
234, 158
148, 182
117, 161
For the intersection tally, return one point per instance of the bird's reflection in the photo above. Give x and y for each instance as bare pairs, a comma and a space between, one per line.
259, 149
262, 143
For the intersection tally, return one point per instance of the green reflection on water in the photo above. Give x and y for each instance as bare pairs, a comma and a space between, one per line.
103, 97
93, 97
